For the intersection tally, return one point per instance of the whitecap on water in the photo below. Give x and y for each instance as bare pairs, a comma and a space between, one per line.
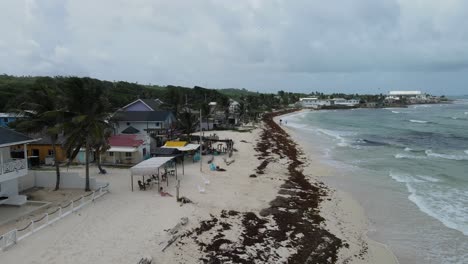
406, 156
429, 153
408, 149
418, 121
395, 112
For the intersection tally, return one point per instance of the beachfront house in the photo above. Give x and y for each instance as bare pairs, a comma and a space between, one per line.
42, 151
127, 149
7, 118
13, 165
158, 125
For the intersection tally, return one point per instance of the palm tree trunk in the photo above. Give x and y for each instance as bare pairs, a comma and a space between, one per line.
98, 160
57, 167
87, 189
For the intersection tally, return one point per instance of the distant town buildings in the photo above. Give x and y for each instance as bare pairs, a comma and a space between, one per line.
315, 103
410, 97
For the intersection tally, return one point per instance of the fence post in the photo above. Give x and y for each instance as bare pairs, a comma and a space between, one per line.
15, 235
32, 226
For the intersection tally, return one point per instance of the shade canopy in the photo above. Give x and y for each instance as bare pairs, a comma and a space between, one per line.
175, 144
149, 166
122, 149
189, 147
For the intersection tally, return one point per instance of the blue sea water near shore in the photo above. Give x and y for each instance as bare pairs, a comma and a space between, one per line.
408, 168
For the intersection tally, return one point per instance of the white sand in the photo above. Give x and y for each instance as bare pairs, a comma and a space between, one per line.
124, 226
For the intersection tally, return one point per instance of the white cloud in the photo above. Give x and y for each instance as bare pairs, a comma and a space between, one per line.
255, 44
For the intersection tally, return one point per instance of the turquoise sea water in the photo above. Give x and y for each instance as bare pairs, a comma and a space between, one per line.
408, 167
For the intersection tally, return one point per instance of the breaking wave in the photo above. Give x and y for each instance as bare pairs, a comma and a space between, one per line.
406, 156
418, 121
429, 153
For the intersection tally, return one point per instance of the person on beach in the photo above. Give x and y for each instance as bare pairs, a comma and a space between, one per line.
281, 122
163, 193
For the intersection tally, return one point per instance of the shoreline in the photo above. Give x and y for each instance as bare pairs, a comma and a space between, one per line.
284, 215
351, 210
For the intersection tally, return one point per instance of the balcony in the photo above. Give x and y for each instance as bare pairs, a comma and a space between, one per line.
12, 169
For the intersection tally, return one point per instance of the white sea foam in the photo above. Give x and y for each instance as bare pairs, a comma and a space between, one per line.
418, 121
466, 113
434, 201
429, 153
440, 207
395, 112
408, 149
404, 178
406, 156
466, 151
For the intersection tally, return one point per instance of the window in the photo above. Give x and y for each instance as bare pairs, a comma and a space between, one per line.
50, 152
128, 154
111, 154
5, 119
158, 124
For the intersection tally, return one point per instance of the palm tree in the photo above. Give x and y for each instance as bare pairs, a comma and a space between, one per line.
86, 99
187, 122
100, 146
43, 115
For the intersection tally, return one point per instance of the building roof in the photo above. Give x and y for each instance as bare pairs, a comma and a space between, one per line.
152, 104
125, 141
10, 115
175, 144
130, 130
45, 140
10, 137
142, 116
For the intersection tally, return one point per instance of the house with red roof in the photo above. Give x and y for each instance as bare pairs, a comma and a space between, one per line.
127, 149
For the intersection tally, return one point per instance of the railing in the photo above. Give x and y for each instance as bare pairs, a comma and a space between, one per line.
14, 165
12, 237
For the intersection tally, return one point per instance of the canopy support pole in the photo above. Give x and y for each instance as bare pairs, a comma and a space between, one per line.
132, 182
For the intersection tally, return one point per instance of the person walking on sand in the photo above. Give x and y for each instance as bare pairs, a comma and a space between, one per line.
281, 122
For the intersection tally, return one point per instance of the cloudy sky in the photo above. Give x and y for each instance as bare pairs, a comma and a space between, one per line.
297, 45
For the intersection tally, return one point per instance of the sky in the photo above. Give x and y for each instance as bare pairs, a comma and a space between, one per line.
350, 46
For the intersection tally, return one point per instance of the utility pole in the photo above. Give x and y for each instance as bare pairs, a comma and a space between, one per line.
201, 141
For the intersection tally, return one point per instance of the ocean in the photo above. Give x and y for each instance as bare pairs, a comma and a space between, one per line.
408, 168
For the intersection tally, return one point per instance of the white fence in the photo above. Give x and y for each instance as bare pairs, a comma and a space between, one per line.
12, 237
47, 179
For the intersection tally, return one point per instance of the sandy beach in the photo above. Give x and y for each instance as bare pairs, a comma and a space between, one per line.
265, 208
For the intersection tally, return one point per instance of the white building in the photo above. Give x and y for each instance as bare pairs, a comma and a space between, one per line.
127, 149
13, 165
315, 103
414, 96
345, 102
